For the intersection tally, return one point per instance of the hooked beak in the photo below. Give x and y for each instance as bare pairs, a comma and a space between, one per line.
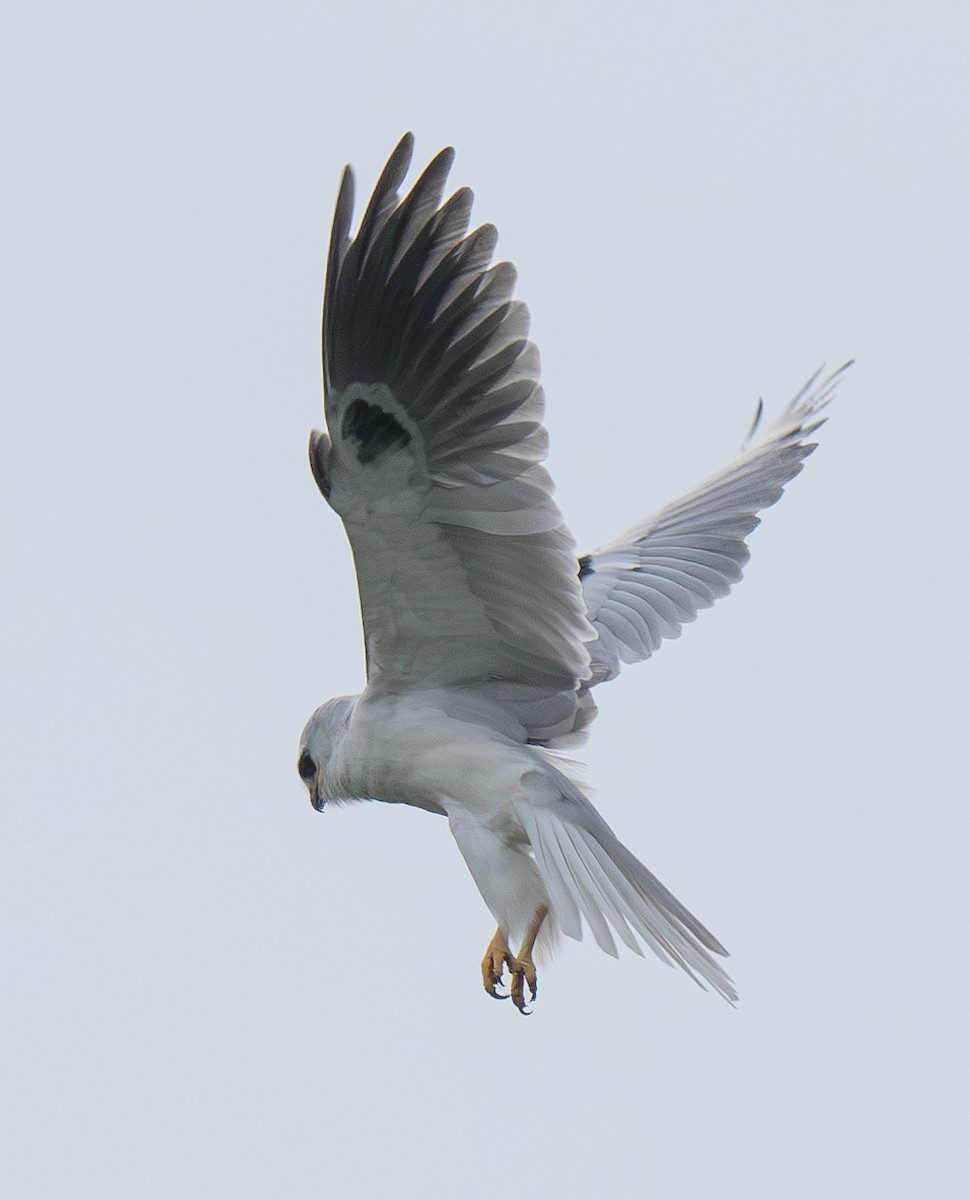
318, 802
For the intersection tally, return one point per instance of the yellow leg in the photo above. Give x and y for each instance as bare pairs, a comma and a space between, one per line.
522, 970
522, 967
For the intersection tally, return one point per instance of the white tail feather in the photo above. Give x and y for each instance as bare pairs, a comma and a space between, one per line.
588, 873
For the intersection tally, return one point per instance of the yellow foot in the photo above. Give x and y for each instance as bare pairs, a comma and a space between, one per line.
493, 965
523, 985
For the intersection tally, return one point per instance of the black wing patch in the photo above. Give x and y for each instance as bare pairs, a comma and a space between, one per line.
375, 430
585, 566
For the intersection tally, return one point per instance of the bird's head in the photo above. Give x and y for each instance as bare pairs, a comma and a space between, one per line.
317, 743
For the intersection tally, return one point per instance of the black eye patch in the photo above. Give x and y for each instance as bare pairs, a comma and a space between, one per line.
307, 767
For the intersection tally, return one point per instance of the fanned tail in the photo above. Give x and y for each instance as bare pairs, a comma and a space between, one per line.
589, 873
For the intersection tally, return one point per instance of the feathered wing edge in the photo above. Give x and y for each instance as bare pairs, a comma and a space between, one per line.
645, 584
413, 301
427, 359
589, 874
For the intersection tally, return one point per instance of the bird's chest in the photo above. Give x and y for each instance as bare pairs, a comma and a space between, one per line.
404, 752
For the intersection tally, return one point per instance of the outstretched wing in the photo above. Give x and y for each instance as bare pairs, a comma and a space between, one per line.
645, 584
434, 413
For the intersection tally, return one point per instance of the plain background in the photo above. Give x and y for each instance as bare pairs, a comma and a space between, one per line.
211, 991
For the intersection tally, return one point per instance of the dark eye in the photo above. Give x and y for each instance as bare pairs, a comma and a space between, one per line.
307, 767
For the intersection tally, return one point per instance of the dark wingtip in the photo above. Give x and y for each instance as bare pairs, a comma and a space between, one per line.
445, 155
397, 165
344, 208
759, 412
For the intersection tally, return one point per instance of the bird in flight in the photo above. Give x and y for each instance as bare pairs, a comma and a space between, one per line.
484, 632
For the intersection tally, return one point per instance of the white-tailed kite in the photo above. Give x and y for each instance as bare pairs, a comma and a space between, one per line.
484, 633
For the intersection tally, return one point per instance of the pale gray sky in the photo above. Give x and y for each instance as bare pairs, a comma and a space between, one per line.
212, 991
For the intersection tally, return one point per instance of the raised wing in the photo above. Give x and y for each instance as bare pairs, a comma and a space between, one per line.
465, 569
645, 584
